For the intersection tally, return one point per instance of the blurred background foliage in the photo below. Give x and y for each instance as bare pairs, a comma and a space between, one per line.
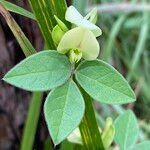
124, 44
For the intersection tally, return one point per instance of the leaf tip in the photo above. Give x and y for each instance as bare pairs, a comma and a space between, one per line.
4, 78
133, 96
56, 142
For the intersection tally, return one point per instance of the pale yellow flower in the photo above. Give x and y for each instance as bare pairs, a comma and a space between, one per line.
82, 42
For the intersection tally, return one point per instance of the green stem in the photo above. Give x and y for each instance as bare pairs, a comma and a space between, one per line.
89, 130
32, 121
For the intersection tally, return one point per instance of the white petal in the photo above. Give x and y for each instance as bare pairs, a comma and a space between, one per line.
73, 16
70, 40
89, 46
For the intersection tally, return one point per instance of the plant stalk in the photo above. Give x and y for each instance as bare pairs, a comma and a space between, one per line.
32, 121
89, 130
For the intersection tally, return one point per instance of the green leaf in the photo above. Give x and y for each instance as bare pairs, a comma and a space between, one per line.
126, 130
104, 83
40, 72
17, 9
142, 146
63, 109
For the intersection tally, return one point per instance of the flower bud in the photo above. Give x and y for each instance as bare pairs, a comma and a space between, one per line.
57, 34
61, 24
75, 55
59, 30
108, 133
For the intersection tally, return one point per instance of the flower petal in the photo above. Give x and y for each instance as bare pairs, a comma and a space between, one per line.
82, 39
71, 40
89, 46
73, 16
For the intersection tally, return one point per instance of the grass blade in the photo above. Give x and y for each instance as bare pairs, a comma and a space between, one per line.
58, 7
44, 11
113, 34
45, 20
90, 134
31, 122
18, 33
140, 44
17, 9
